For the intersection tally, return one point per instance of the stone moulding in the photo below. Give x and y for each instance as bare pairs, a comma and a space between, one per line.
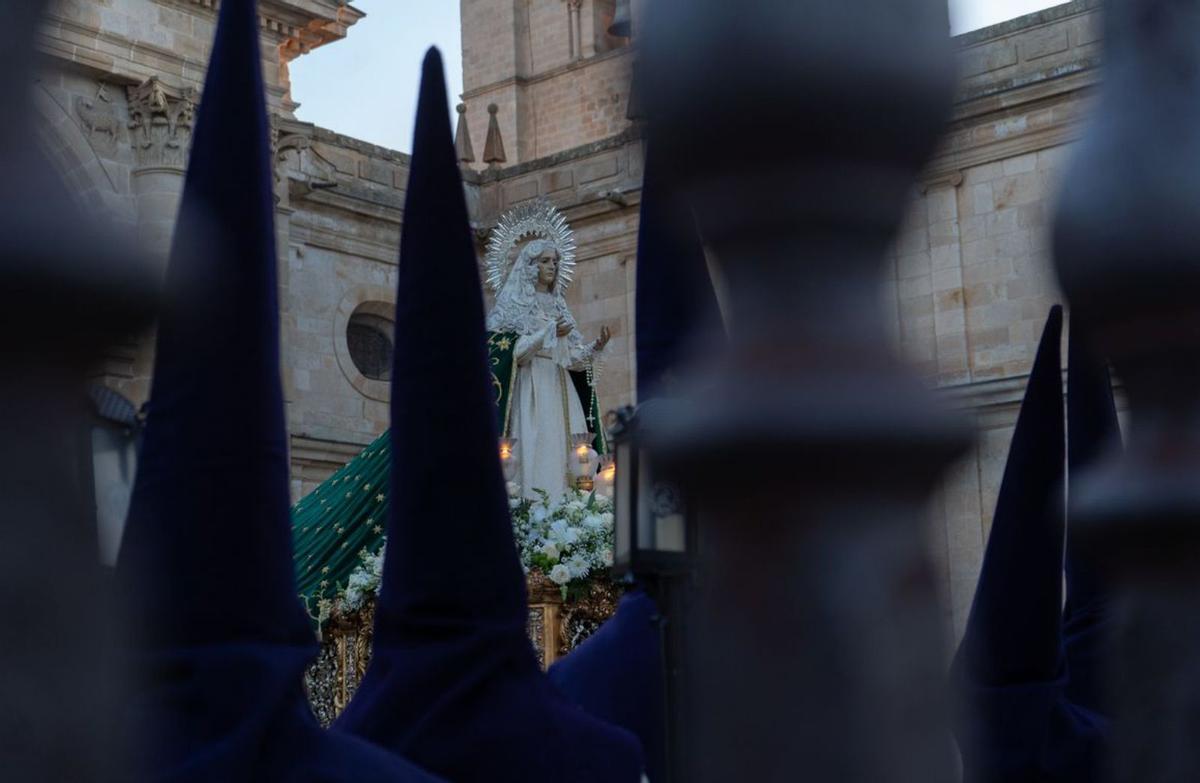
312, 22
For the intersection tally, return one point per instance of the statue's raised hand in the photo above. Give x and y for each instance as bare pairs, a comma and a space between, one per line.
605, 336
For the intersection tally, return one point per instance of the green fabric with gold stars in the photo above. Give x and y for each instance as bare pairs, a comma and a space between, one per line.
343, 520
340, 521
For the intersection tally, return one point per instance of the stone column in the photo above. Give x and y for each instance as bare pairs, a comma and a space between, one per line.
160, 123
575, 31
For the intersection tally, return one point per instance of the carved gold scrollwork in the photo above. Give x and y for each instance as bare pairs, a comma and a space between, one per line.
555, 628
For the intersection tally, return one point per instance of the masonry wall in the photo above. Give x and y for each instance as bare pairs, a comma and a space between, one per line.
558, 80
970, 281
342, 254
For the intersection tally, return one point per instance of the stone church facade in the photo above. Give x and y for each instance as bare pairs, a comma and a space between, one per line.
968, 283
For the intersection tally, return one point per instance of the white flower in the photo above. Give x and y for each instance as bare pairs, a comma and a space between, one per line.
514, 489
579, 566
561, 532
607, 517
608, 557
514, 502
560, 574
538, 513
593, 521
574, 507
549, 550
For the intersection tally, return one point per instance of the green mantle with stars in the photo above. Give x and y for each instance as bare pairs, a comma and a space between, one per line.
344, 519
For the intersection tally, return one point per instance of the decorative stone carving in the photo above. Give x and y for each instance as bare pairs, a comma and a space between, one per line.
97, 115
462, 138
294, 156
493, 147
161, 117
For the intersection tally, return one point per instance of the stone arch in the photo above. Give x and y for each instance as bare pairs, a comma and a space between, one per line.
89, 181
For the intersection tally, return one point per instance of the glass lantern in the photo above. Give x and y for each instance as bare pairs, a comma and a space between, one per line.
606, 476
583, 461
654, 527
508, 458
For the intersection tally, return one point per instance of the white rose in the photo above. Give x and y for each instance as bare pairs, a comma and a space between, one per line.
549, 550
607, 517
593, 521
575, 507
514, 503
560, 574
608, 557
538, 514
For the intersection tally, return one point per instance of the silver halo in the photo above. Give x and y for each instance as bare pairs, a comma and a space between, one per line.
537, 218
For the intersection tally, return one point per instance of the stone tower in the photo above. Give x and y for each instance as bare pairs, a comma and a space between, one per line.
557, 77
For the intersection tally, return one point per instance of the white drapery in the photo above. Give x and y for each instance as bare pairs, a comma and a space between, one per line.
546, 410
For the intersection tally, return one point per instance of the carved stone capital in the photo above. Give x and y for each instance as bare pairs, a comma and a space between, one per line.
160, 121
294, 158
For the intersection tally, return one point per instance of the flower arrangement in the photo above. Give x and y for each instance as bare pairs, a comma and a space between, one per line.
364, 581
569, 539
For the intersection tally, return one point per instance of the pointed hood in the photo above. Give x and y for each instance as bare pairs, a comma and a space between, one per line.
207, 558
617, 676
1092, 430
210, 505
676, 306
60, 684
1016, 723
443, 417
1013, 632
453, 682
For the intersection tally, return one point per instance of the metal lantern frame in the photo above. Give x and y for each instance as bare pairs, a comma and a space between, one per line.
654, 529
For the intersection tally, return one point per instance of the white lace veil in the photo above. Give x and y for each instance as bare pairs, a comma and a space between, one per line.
516, 307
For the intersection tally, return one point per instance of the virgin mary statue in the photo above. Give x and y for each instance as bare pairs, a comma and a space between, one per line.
544, 409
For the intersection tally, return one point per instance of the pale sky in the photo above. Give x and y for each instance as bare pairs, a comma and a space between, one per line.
366, 85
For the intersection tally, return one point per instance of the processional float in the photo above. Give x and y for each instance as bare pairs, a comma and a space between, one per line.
820, 589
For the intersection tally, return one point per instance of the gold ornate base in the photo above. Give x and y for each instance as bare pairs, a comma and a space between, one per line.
556, 626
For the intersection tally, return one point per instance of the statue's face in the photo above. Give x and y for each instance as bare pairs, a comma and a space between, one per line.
547, 265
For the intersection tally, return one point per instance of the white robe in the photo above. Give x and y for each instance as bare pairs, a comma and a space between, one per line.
546, 410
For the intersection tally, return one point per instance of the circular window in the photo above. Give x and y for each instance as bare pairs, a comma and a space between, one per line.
369, 340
